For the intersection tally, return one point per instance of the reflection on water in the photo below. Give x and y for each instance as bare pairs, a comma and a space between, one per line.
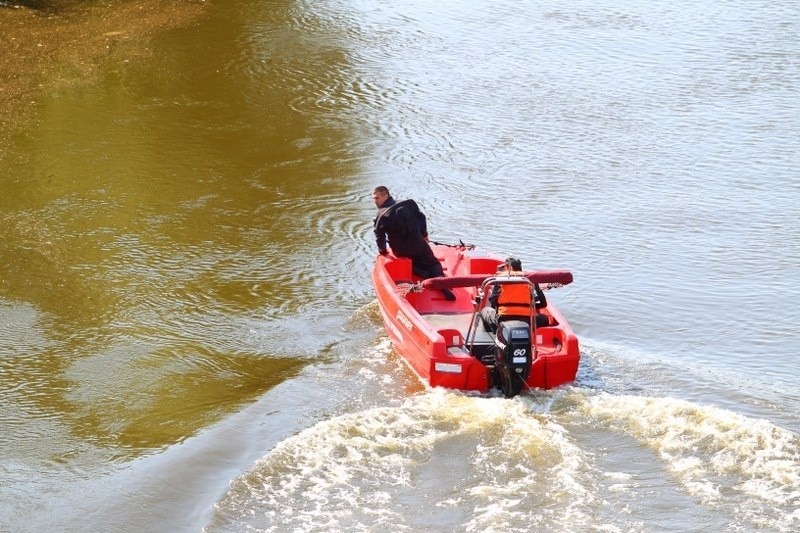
151, 230
63, 44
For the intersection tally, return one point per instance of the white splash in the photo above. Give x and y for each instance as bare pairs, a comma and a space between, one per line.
460, 462
720, 457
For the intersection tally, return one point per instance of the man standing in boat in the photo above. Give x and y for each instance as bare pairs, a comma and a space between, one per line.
406, 229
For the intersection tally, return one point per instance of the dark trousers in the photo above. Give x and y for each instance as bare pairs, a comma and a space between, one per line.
425, 265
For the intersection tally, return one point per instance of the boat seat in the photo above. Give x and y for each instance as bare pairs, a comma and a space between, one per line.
452, 337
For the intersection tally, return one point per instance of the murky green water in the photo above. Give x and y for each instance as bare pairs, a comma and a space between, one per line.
147, 220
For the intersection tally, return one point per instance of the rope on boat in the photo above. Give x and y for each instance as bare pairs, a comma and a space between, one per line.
402, 288
459, 245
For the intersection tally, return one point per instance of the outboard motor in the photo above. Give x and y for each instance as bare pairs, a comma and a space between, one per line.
513, 355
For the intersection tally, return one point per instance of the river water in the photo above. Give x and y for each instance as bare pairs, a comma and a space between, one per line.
188, 336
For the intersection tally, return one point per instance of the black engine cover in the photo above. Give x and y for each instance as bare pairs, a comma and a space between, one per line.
513, 351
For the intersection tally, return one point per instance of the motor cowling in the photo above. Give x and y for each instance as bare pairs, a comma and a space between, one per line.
513, 351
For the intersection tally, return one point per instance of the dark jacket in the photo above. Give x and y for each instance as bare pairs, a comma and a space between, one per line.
404, 226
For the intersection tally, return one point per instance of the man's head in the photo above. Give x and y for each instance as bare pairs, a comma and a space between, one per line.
379, 195
512, 264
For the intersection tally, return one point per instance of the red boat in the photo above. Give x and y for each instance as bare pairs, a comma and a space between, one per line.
448, 343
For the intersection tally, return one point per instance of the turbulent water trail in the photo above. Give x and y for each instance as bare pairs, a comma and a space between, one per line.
562, 461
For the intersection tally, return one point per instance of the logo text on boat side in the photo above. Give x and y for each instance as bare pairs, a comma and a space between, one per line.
403, 319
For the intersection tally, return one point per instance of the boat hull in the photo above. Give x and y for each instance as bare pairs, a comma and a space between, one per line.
437, 336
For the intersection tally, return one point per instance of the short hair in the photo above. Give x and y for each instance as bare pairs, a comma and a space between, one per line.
380, 189
514, 264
